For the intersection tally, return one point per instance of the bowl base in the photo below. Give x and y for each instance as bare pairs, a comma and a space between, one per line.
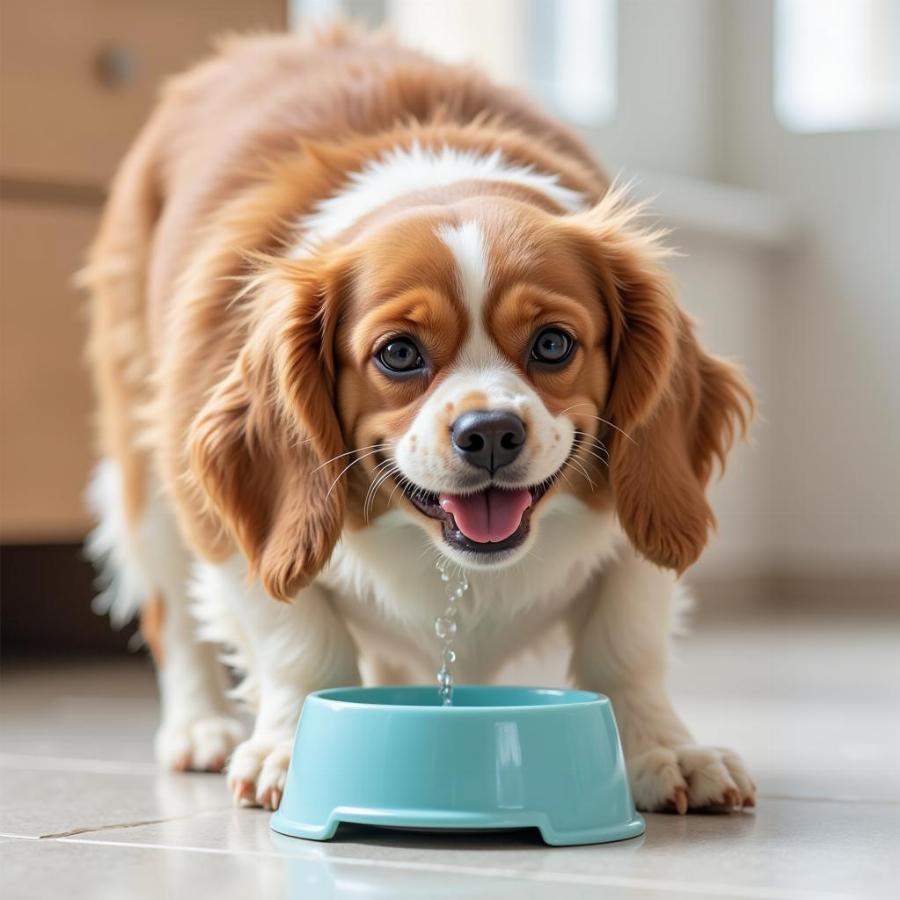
455, 822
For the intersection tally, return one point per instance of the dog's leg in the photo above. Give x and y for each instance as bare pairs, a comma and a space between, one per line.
287, 651
621, 649
146, 567
196, 731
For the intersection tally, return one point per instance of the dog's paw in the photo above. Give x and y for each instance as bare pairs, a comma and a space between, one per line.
198, 745
257, 771
707, 779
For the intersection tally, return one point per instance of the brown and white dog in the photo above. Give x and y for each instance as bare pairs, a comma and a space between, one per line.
353, 309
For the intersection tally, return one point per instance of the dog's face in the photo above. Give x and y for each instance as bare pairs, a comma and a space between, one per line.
472, 365
462, 364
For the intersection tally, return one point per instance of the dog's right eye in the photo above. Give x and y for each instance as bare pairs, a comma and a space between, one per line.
400, 356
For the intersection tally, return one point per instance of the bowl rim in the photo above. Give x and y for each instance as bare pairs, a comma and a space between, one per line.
578, 699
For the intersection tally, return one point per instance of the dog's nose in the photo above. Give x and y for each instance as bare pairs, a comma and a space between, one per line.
488, 440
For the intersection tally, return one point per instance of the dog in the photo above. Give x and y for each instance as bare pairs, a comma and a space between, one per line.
354, 311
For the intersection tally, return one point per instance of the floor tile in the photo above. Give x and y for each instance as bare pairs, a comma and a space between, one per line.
36, 870
100, 710
39, 802
820, 849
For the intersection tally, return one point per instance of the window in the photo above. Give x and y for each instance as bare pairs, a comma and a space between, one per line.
837, 64
563, 52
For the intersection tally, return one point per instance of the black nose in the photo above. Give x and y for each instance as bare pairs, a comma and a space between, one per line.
488, 440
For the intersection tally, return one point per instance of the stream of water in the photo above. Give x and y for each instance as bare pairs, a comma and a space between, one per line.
446, 625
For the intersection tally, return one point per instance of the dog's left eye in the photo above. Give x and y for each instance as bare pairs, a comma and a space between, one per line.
401, 356
552, 346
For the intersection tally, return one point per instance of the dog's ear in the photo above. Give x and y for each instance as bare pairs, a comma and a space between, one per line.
674, 409
263, 447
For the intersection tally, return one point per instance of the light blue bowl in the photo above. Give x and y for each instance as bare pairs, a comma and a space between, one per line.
499, 757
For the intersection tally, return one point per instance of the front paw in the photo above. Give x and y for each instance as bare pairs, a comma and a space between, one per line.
257, 771
199, 744
689, 777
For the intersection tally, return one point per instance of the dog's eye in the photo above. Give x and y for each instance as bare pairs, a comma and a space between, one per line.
552, 346
400, 356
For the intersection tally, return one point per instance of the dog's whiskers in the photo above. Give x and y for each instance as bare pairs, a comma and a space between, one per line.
402, 481
379, 480
581, 468
373, 486
587, 435
348, 467
602, 456
368, 508
599, 419
374, 447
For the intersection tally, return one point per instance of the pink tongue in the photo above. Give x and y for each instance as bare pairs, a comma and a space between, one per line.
489, 516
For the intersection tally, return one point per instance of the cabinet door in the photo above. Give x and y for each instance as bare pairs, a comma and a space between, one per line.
78, 78
44, 386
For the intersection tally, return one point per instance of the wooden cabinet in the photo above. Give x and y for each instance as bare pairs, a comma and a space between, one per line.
44, 393
77, 80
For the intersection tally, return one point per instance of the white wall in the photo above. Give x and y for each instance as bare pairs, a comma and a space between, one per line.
668, 89
835, 409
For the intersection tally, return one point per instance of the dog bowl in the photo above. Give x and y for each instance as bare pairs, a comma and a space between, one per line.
498, 758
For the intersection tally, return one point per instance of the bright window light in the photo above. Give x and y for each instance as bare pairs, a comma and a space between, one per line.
837, 64
488, 34
562, 51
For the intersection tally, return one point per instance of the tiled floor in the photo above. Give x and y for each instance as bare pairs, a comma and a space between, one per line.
814, 706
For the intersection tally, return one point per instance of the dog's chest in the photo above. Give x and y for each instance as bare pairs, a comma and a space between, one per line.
386, 585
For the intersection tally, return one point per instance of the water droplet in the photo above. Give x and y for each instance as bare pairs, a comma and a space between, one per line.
444, 627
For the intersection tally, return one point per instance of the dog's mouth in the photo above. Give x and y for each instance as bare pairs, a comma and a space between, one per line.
489, 521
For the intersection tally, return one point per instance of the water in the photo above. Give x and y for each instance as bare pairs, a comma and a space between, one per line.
446, 626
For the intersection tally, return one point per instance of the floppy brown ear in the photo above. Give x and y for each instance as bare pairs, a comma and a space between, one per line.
675, 409
660, 472
262, 447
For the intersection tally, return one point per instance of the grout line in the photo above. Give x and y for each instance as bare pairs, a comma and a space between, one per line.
74, 764
714, 889
846, 799
116, 826
18, 837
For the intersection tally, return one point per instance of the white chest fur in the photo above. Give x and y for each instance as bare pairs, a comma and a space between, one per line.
386, 586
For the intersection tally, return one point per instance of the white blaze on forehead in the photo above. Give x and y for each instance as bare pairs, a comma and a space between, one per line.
467, 244
405, 170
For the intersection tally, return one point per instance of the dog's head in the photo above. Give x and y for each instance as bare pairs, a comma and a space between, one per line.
461, 363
